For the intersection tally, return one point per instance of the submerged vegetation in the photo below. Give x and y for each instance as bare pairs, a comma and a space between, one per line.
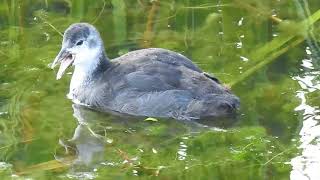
262, 49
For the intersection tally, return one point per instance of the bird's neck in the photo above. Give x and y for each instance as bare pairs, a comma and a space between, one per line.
88, 68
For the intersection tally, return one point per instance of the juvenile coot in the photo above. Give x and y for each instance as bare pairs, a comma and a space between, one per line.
148, 82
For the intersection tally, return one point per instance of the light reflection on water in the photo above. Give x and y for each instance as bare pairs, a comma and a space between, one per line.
307, 164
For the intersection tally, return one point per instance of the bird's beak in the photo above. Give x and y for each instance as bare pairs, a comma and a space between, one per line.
65, 59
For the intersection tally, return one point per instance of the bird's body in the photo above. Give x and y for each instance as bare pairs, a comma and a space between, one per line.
149, 82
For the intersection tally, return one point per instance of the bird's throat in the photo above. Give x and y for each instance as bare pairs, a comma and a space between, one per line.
86, 74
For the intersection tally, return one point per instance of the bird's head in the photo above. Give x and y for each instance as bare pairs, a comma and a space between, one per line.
81, 45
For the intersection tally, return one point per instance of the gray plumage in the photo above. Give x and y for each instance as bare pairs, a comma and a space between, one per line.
149, 82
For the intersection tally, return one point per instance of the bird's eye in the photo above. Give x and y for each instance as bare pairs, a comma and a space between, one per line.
79, 43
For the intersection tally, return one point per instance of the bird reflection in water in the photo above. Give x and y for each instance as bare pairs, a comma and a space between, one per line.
97, 135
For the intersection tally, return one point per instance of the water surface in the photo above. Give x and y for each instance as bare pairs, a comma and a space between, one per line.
266, 51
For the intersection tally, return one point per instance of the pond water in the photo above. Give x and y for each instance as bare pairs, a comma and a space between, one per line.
266, 51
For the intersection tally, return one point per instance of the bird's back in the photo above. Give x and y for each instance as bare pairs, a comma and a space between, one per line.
161, 83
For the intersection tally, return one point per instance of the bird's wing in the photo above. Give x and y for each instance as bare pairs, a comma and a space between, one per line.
157, 76
158, 69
